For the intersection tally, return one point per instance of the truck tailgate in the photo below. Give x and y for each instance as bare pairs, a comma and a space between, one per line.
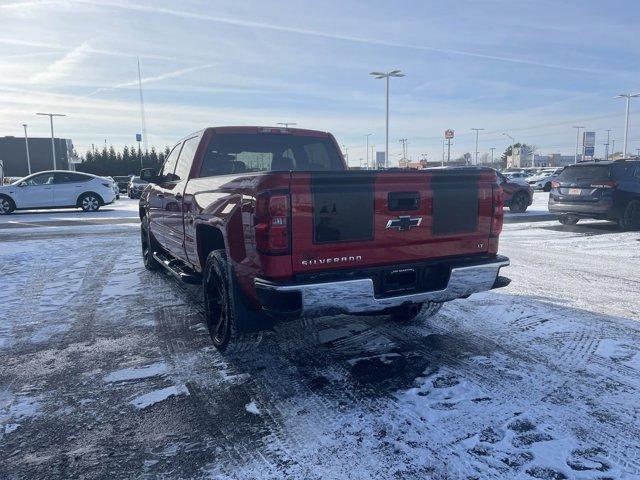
346, 220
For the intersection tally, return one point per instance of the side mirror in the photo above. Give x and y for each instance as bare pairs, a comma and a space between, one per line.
22, 184
149, 175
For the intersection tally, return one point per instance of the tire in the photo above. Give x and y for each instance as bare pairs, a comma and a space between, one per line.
519, 203
547, 187
90, 202
631, 216
407, 315
568, 219
6, 205
149, 245
229, 321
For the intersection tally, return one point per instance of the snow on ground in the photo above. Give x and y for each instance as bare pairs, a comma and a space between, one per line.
122, 208
107, 371
151, 398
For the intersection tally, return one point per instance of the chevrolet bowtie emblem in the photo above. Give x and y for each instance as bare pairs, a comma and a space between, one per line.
403, 223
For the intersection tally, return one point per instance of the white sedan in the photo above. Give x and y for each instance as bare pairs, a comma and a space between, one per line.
56, 189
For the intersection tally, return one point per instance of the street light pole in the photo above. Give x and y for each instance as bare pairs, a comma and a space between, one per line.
606, 150
53, 143
346, 154
403, 141
386, 75
477, 130
513, 143
492, 150
367, 137
628, 97
577, 142
26, 143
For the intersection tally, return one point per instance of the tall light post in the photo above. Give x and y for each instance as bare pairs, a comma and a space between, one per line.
628, 97
477, 130
513, 143
577, 142
367, 139
142, 114
403, 141
346, 153
492, 150
26, 144
606, 150
386, 75
286, 124
53, 143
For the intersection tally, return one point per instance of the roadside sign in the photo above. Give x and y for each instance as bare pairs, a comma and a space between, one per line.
589, 139
138, 137
589, 151
448, 134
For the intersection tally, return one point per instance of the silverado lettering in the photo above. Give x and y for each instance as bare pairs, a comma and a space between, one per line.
322, 261
266, 220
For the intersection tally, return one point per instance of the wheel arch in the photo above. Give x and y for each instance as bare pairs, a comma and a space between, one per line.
208, 239
100, 199
10, 199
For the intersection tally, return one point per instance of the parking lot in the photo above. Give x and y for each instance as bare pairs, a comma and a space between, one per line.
109, 372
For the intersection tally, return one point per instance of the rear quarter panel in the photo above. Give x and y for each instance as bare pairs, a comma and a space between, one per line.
227, 203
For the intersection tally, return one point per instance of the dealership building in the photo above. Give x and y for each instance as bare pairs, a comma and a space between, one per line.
13, 153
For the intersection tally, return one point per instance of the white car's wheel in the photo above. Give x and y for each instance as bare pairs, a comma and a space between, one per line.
6, 206
89, 202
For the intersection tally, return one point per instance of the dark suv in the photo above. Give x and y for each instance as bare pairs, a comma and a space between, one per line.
123, 182
601, 190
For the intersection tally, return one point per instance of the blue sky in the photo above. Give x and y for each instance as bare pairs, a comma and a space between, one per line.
531, 69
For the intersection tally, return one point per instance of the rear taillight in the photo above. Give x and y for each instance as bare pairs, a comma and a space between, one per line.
497, 217
271, 223
606, 184
555, 184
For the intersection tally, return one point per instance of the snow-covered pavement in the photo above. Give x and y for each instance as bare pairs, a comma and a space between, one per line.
108, 372
124, 210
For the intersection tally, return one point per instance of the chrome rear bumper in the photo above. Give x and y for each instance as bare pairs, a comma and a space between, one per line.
358, 296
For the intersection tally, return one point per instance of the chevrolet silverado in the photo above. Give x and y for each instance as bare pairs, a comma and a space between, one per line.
273, 225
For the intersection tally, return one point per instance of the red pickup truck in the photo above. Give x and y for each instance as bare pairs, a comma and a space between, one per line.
273, 225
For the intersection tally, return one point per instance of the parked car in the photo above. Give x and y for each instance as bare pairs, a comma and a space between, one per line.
517, 175
273, 225
56, 189
518, 195
123, 182
543, 180
136, 187
116, 189
602, 190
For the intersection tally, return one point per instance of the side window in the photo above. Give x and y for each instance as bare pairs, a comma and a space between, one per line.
42, 179
70, 177
170, 163
185, 160
637, 173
